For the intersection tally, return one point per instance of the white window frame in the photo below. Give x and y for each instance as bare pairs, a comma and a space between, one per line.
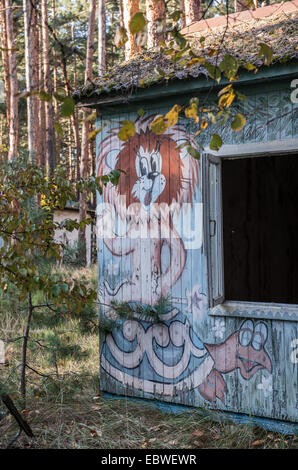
213, 232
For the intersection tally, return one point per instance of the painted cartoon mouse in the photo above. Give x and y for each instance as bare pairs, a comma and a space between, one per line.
243, 350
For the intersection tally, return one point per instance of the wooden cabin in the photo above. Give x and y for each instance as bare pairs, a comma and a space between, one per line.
209, 244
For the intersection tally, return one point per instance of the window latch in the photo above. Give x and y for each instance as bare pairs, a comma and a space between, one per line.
212, 228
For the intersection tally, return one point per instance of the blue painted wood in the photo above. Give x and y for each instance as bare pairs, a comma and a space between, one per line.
211, 375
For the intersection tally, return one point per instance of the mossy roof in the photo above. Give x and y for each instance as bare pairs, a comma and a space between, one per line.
240, 39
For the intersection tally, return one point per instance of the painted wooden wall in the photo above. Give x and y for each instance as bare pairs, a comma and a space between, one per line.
191, 357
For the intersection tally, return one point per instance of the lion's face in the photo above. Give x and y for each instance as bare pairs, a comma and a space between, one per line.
151, 182
158, 168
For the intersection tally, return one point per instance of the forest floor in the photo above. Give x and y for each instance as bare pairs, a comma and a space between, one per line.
65, 410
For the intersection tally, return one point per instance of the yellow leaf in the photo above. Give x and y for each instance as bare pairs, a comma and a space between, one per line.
211, 52
172, 115
127, 130
204, 123
93, 134
191, 112
227, 99
225, 89
158, 126
196, 60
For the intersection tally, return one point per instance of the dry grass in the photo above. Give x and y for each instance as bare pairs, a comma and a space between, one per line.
105, 423
65, 411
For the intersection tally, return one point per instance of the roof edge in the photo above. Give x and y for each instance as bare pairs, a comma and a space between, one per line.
233, 18
274, 72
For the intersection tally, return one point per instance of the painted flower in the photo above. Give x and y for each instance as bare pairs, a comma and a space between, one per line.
266, 385
195, 300
219, 328
113, 269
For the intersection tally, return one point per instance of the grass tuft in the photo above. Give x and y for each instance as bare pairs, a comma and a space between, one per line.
66, 410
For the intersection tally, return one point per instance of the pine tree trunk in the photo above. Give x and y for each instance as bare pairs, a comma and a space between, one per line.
193, 11
85, 131
74, 117
5, 62
55, 77
101, 37
14, 115
156, 17
130, 8
69, 165
121, 15
50, 152
41, 107
31, 58
182, 18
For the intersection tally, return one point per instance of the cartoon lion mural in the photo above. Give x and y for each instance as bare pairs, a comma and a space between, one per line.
160, 177
137, 225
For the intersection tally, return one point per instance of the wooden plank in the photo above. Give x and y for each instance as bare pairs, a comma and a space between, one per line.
243, 395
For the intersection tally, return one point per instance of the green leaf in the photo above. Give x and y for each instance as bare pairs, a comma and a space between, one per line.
137, 23
44, 96
265, 51
215, 142
213, 72
176, 15
238, 122
141, 112
68, 107
229, 66
127, 130
180, 40
193, 152
64, 286
55, 290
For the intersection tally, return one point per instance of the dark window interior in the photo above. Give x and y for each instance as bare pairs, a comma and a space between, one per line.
260, 229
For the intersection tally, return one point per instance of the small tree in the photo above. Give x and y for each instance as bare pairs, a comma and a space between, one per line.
27, 235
